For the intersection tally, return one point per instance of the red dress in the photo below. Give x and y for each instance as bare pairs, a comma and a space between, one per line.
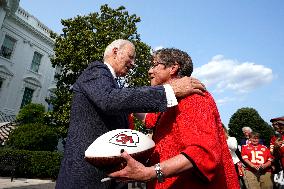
194, 129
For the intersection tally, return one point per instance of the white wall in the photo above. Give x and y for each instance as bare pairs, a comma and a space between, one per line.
30, 35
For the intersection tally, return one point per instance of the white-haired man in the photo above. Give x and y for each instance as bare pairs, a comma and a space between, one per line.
247, 131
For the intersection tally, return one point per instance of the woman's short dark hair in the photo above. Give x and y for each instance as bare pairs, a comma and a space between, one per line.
170, 56
254, 134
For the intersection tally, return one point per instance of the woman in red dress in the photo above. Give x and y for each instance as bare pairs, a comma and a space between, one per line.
191, 149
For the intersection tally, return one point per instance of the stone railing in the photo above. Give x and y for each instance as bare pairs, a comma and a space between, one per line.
6, 118
5, 129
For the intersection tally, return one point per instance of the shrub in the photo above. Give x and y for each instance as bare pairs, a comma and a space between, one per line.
34, 137
33, 164
31, 113
45, 164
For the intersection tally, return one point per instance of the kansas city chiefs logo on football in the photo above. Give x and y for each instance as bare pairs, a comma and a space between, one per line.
125, 138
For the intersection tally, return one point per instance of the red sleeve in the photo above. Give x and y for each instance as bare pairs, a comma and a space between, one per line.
269, 156
272, 143
272, 140
202, 134
131, 121
245, 153
151, 119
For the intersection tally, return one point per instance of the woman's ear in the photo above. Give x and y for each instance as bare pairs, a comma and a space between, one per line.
174, 69
114, 50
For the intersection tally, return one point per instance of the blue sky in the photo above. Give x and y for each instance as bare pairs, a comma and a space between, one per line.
237, 46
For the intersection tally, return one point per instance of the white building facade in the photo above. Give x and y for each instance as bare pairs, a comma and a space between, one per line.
26, 73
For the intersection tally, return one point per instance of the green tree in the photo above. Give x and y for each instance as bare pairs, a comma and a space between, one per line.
31, 113
34, 137
249, 117
83, 40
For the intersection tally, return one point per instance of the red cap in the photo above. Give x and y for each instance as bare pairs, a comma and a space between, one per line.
278, 119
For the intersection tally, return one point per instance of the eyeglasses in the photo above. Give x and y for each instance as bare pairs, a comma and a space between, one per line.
155, 64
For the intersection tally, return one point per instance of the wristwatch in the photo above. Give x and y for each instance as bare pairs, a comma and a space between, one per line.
160, 175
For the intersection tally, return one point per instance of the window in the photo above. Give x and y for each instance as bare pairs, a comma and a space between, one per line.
7, 47
36, 62
27, 97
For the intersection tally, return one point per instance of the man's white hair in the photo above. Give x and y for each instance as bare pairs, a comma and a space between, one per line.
119, 43
247, 128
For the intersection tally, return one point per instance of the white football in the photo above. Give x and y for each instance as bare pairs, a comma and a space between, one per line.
104, 152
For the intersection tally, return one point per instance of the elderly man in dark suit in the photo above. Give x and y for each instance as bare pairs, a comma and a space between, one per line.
247, 131
99, 106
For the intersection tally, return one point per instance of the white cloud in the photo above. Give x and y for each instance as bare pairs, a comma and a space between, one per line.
227, 74
225, 100
158, 47
155, 49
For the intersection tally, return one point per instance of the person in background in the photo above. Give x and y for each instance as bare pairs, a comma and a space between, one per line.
247, 131
99, 105
258, 159
233, 147
191, 149
276, 140
277, 150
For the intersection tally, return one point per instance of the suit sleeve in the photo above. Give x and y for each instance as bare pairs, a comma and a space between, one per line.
100, 88
200, 131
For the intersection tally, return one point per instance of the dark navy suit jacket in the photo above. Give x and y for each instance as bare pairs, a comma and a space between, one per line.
98, 106
244, 141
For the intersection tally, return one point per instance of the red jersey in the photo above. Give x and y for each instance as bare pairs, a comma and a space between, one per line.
257, 155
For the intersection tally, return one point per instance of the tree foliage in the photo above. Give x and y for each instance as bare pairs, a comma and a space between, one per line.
31, 113
249, 117
83, 41
34, 137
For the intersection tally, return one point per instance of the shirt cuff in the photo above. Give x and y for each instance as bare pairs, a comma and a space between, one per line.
170, 95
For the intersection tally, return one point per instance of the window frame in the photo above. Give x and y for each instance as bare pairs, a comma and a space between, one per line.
35, 65
9, 56
25, 102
